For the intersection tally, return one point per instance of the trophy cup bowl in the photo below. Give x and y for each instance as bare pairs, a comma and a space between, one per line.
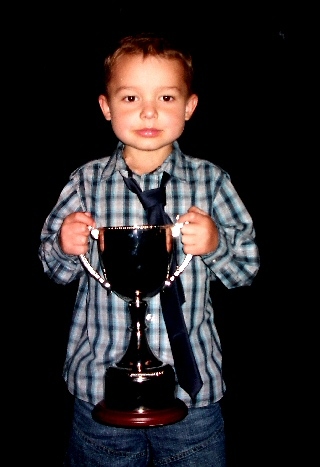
140, 388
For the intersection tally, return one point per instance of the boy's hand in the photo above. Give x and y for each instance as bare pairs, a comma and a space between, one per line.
199, 232
74, 233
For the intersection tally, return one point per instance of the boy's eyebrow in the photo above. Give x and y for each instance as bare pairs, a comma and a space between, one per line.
133, 88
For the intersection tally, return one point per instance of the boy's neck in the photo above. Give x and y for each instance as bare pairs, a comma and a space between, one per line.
142, 162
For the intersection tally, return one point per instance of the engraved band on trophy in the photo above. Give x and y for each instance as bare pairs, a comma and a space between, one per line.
136, 261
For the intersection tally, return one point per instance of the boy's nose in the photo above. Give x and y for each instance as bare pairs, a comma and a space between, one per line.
148, 110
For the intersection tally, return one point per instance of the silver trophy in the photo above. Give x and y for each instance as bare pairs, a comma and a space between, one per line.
136, 262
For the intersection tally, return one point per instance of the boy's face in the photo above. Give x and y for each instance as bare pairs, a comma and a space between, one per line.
147, 102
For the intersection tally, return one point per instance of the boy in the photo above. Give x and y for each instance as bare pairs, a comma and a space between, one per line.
148, 98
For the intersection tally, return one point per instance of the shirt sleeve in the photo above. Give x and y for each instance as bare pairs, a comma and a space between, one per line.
60, 267
236, 260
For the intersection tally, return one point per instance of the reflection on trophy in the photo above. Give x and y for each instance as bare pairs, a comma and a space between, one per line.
140, 388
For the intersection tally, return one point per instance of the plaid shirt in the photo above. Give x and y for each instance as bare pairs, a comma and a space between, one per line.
99, 333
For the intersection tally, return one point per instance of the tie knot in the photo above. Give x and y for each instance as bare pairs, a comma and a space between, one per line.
153, 201
151, 198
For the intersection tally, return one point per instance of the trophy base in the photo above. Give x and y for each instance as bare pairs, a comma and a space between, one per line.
142, 417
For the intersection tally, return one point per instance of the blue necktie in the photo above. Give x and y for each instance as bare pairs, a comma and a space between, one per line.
172, 297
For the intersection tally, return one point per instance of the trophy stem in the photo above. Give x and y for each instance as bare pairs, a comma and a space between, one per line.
139, 388
138, 356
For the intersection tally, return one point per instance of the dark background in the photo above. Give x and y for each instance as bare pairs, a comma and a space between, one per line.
245, 122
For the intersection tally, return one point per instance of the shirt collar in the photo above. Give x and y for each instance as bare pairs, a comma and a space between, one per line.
174, 163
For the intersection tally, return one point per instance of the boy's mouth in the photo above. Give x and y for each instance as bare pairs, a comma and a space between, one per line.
148, 132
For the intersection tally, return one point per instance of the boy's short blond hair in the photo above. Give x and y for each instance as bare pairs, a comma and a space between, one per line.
150, 45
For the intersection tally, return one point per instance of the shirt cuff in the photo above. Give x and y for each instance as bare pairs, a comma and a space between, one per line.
217, 258
62, 257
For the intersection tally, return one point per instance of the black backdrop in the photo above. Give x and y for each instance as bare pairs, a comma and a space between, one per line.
246, 60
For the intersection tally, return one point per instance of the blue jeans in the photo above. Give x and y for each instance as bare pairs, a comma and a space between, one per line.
197, 440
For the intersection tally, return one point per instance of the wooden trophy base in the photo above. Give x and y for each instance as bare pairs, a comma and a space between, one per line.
140, 418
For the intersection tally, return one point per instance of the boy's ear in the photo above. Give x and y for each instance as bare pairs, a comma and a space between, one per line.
191, 105
104, 107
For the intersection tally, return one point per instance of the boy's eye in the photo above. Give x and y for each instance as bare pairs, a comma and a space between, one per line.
130, 98
167, 98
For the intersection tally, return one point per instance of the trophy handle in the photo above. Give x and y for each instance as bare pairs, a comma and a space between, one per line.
106, 284
175, 233
94, 273
179, 270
